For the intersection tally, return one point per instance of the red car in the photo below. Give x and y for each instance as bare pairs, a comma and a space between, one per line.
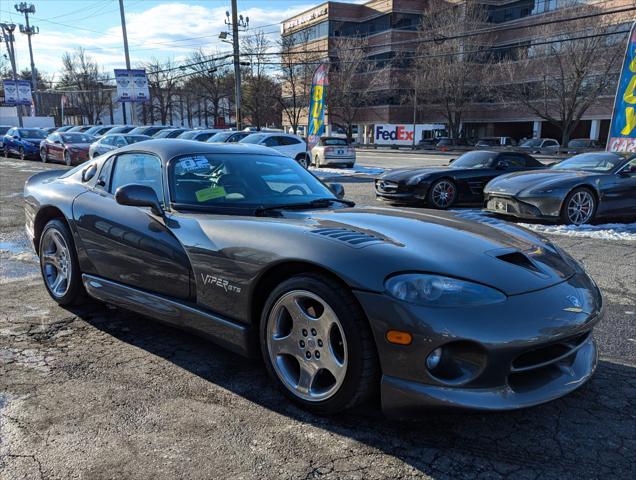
68, 147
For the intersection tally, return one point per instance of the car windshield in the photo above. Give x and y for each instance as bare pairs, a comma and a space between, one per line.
590, 162
4, 130
474, 160
578, 143
26, 133
334, 141
220, 137
533, 142
254, 138
188, 135
76, 138
242, 180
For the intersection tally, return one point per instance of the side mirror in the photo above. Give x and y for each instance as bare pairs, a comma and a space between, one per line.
139, 196
337, 189
502, 165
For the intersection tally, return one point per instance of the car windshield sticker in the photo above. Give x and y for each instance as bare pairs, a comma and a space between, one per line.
210, 193
195, 164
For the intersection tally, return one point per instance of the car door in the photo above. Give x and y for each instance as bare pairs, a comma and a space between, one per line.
126, 244
13, 140
619, 192
56, 147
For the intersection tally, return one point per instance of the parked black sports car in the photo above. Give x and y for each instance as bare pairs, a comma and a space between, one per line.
460, 183
246, 247
574, 191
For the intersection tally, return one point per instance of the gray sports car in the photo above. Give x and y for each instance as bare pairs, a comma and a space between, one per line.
574, 191
247, 248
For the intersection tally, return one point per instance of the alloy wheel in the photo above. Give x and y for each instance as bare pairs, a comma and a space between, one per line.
306, 345
580, 208
56, 263
443, 194
43, 155
21, 153
67, 158
303, 161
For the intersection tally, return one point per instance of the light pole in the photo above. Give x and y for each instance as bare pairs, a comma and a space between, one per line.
127, 54
7, 35
243, 23
29, 31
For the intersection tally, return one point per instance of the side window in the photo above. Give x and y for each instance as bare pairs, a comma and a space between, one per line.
514, 160
119, 141
289, 141
550, 143
272, 142
104, 175
137, 168
106, 140
630, 168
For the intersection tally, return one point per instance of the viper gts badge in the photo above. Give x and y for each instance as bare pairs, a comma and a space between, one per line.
219, 282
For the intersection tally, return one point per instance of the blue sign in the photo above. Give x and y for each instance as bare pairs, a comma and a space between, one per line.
17, 93
622, 134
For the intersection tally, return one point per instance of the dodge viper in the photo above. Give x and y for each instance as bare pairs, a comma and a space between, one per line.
460, 183
244, 246
574, 191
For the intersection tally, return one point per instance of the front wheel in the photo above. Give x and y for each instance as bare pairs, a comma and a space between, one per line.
317, 161
43, 155
442, 194
5, 151
67, 158
21, 153
579, 207
317, 345
59, 265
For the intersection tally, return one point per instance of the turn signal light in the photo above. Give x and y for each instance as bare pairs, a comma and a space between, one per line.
399, 338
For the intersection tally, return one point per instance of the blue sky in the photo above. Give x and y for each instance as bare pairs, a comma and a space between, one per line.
156, 29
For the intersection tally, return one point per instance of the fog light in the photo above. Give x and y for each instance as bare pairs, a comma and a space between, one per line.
433, 359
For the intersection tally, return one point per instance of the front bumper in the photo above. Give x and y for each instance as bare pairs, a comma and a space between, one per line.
400, 193
539, 208
530, 349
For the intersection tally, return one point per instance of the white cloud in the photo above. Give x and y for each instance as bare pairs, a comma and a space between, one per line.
169, 30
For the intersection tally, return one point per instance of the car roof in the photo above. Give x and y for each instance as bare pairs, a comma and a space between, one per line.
167, 148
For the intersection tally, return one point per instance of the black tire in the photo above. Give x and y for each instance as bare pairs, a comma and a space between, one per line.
303, 160
361, 379
21, 153
435, 200
43, 155
568, 217
67, 158
75, 293
316, 161
5, 151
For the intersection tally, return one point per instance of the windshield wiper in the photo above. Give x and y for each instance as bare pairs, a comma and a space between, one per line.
317, 203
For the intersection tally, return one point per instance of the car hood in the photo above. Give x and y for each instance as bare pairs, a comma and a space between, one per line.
404, 174
516, 183
364, 246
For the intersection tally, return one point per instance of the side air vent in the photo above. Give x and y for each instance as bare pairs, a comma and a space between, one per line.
519, 259
352, 237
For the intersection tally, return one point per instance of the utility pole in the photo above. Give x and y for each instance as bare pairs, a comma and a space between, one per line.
7, 35
237, 22
29, 31
123, 29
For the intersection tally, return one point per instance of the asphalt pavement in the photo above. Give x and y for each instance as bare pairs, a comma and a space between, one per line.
97, 392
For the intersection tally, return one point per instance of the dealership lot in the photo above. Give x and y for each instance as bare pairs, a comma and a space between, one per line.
101, 393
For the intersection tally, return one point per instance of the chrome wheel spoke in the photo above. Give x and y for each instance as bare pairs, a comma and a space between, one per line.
51, 259
287, 345
58, 282
306, 379
56, 265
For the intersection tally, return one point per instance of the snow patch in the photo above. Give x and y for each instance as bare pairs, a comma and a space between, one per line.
356, 170
605, 231
18, 261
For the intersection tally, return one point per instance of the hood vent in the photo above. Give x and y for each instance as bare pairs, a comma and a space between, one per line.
519, 259
351, 237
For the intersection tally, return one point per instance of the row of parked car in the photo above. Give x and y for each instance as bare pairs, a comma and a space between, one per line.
533, 145
577, 190
76, 144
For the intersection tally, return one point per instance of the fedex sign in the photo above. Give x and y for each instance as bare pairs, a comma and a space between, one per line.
401, 134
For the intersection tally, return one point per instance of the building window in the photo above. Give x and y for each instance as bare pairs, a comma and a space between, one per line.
308, 34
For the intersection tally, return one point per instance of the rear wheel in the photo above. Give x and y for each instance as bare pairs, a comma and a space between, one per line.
59, 265
579, 207
21, 153
317, 344
5, 151
317, 161
67, 158
303, 160
442, 194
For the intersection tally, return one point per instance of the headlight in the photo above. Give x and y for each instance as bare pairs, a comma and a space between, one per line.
439, 291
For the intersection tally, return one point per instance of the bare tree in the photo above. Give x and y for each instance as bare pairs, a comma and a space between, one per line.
298, 63
453, 70
90, 92
260, 90
573, 66
353, 80
210, 81
163, 84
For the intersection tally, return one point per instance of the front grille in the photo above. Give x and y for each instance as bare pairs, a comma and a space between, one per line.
384, 186
552, 353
